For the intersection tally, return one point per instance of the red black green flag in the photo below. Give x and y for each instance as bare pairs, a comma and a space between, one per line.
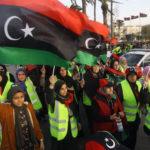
92, 43
134, 17
39, 32
127, 18
143, 15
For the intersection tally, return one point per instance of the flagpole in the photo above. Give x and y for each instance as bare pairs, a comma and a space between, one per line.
53, 70
140, 28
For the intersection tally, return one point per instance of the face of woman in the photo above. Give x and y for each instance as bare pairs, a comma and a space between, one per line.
63, 72
63, 90
96, 68
21, 76
132, 78
124, 61
116, 65
1, 78
18, 99
109, 90
1, 68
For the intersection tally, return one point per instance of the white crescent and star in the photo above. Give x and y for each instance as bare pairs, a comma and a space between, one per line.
27, 30
90, 39
110, 146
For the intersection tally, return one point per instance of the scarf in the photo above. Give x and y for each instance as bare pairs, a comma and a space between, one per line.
67, 99
19, 137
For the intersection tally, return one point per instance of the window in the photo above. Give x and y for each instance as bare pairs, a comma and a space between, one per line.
133, 59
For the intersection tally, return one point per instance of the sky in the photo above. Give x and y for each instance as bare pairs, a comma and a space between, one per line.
125, 9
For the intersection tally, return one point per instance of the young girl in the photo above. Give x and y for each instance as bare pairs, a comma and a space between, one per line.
20, 128
27, 86
63, 112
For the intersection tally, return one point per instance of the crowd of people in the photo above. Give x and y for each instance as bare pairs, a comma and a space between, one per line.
79, 101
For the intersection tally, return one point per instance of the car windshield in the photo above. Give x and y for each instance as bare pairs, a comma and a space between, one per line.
133, 59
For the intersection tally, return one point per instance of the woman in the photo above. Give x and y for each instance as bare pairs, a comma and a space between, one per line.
5, 85
21, 131
113, 72
63, 112
90, 83
9, 75
62, 74
27, 86
106, 109
123, 64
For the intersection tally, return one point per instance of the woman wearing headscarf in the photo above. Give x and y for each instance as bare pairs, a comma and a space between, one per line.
113, 72
5, 85
20, 127
8, 74
28, 87
107, 109
123, 64
63, 112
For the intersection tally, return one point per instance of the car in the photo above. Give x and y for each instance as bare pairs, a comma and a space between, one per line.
138, 57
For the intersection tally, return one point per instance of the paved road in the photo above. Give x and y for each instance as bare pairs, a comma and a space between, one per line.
143, 141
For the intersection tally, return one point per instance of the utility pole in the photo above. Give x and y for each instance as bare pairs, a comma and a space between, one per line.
112, 26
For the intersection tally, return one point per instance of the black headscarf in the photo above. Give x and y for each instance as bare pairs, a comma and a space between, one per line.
18, 130
4, 79
68, 80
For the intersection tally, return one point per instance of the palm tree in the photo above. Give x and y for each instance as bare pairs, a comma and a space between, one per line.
75, 5
94, 10
84, 6
105, 10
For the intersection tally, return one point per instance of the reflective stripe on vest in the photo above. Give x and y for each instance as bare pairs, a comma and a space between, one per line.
130, 105
3, 97
86, 100
31, 90
59, 122
147, 117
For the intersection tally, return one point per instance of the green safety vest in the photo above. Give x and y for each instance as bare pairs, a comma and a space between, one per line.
130, 105
122, 69
59, 122
147, 117
86, 100
8, 75
3, 97
34, 98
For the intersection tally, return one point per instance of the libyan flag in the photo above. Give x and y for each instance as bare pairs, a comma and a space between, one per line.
39, 32
143, 15
92, 43
127, 18
134, 17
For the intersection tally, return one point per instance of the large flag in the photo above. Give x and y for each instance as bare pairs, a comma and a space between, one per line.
134, 17
143, 15
39, 32
126, 18
92, 43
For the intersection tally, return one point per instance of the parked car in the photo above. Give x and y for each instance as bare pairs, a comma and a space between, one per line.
138, 57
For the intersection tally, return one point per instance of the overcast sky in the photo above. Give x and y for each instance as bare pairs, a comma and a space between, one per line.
126, 9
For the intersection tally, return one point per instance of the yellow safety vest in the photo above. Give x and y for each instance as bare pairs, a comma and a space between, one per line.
147, 117
3, 97
59, 119
130, 105
34, 98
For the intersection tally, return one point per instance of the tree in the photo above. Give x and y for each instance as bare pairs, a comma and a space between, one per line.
75, 5
105, 10
84, 6
94, 10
